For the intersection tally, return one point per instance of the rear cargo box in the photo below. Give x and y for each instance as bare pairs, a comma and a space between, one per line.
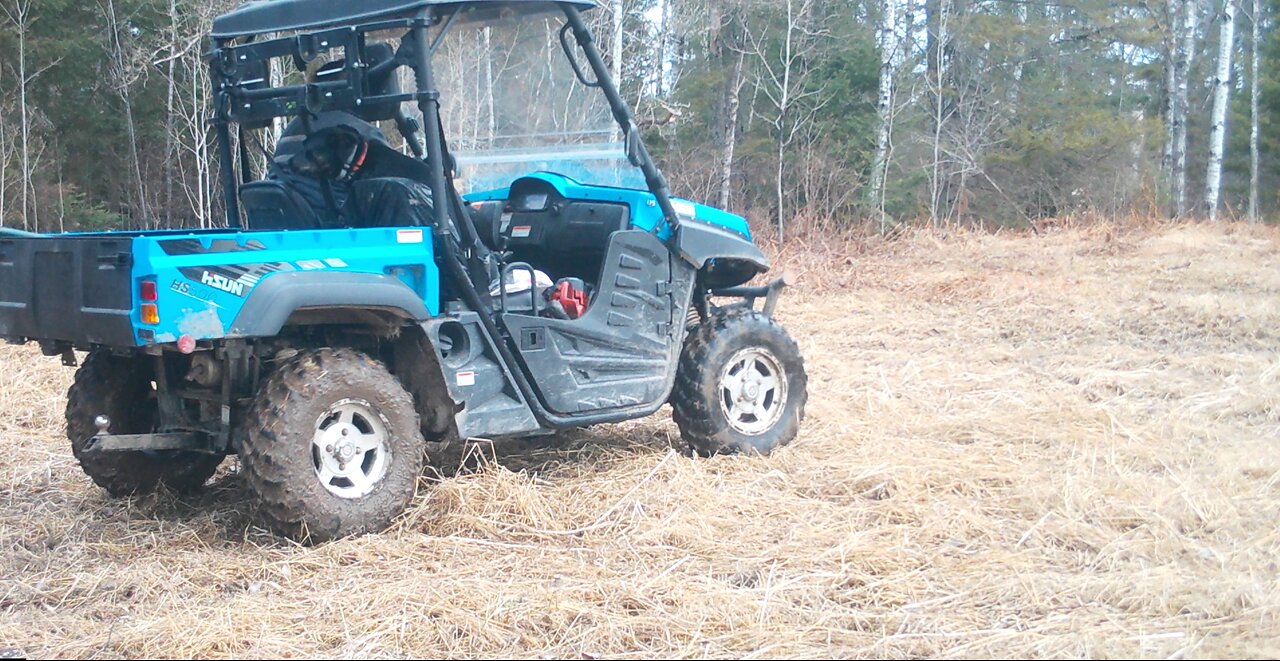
76, 289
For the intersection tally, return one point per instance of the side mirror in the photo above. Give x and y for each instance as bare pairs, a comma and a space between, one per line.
633, 146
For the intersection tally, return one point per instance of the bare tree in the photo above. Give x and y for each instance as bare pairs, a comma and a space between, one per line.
782, 82
888, 50
729, 44
729, 128
1254, 91
170, 120
19, 14
1181, 106
488, 83
1172, 13
1218, 121
124, 73
618, 14
937, 47
660, 60
6, 153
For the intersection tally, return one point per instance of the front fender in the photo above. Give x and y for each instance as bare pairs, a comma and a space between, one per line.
725, 257
272, 303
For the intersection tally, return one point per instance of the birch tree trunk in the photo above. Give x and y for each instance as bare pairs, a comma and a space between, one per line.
488, 85
1020, 65
1182, 66
28, 191
4, 157
1171, 83
784, 104
729, 130
1221, 96
1253, 111
19, 14
660, 73
170, 121
937, 65
616, 65
880, 165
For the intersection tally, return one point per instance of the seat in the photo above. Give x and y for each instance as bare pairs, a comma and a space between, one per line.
389, 202
271, 205
565, 237
523, 290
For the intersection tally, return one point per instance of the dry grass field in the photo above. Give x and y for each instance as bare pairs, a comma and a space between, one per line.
1017, 446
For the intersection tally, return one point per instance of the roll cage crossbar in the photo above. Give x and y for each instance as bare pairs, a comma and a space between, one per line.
244, 95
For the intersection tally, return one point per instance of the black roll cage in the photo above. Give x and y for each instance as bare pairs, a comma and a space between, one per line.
244, 96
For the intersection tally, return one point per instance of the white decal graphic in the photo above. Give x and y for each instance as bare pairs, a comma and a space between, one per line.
223, 283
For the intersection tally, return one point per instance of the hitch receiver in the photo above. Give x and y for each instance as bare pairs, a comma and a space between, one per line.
181, 441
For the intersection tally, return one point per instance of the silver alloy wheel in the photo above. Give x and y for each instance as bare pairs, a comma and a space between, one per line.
753, 391
350, 449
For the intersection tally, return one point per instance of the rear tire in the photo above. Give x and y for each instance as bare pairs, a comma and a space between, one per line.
741, 387
334, 446
120, 388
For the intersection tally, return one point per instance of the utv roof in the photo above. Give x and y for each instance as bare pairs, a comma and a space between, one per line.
263, 16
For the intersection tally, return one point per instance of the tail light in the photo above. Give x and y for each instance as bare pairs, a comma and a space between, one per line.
147, 291
149, 294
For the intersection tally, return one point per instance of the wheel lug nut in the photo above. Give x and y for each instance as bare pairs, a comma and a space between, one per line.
346, 432
329, 449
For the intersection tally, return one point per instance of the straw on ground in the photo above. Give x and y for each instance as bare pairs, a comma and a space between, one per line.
1016, 446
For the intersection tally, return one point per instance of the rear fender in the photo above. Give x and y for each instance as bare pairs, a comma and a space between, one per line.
270, 306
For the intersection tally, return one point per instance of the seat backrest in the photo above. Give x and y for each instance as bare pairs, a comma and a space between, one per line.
566, 238
271, 205
389, 202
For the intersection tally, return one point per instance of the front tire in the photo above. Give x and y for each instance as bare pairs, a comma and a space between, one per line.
741, 387
120, 388
334, 447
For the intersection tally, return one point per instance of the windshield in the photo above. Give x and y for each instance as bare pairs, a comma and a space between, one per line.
512, 106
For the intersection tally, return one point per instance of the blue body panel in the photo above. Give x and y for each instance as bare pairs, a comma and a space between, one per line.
645, 213
204, 279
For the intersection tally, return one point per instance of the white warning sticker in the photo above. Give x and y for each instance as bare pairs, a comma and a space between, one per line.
466, 378
409, 236
336, 263
684, 209
521, 231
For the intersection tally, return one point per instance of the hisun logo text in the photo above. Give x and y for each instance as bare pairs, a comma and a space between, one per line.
222, 282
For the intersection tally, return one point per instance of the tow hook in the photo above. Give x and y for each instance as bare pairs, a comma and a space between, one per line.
104, 441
